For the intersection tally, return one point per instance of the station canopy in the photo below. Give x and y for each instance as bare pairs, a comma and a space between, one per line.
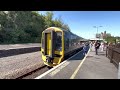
83, 39
96, 39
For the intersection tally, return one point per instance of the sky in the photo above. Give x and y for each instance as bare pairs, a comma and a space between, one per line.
82, 23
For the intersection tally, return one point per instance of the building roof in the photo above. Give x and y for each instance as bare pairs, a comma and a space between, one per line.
96, 39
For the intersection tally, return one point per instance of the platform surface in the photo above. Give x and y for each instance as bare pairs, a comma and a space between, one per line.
79, 66
16, 46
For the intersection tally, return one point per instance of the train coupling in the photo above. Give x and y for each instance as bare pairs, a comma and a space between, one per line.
49, 59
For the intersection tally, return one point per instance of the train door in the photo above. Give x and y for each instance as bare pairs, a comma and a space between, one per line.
48, 47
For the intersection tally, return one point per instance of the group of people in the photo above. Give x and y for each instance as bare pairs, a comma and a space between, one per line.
97, 45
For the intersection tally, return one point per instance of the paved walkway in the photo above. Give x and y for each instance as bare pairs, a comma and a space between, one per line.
79, 67
97, 67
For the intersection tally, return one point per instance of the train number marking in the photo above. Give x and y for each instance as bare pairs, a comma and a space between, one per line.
58, 69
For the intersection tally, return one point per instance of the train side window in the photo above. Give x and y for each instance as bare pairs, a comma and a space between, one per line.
67, 43
59, 41
66, 35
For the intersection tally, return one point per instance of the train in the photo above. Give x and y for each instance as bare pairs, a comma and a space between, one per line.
56, 43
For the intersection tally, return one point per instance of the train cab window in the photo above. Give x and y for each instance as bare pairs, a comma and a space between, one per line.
59, 41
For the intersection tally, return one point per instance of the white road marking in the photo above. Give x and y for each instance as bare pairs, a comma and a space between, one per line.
53, 73
58, 69
42, 75
75, 72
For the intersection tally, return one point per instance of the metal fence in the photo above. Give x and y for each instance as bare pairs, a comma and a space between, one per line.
113, 53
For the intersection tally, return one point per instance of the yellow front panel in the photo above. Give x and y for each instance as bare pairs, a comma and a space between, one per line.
56, 60
58, 52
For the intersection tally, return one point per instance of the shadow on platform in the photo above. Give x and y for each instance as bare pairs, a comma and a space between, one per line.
79, 56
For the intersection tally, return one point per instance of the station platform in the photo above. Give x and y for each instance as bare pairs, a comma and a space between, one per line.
17, 46
16, 49
80, 66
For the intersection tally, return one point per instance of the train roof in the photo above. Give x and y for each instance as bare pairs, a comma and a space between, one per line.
67, 31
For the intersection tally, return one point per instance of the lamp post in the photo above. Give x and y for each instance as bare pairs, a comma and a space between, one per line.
97, 28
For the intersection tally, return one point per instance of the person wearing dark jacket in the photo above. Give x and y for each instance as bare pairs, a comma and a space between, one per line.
97, 45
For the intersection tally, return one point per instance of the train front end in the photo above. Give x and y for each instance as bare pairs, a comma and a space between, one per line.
52, 46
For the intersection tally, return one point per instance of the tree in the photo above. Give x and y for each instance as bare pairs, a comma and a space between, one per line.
66, 27
48, 19
26, 26
58, 22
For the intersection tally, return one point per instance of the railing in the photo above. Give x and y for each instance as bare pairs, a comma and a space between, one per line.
113, 53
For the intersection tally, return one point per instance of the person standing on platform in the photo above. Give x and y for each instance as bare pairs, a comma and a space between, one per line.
96, 47
91, 46
102, 46
84, 49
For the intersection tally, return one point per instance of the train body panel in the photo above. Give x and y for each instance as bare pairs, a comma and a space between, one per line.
71, 43
56, 43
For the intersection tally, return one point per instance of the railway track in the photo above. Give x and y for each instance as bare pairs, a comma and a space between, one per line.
34, 73
41, 70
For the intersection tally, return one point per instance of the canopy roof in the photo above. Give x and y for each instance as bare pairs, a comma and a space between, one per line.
96, 39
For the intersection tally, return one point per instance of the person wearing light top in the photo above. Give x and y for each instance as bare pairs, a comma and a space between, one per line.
102, 46
91, 44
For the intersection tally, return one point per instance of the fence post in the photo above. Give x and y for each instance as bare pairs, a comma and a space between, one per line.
119, 71
111, 55
106, 51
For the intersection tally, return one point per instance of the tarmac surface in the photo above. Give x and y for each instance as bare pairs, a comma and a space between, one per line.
97, 67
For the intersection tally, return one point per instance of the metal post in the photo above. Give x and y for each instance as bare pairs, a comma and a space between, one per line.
97, 30
119, 71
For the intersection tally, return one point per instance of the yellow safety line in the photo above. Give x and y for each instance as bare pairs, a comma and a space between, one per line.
75, 72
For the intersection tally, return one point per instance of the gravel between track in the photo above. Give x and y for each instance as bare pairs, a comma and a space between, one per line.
18, 65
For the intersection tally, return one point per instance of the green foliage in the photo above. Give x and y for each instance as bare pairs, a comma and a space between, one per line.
112, 39
26, 26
